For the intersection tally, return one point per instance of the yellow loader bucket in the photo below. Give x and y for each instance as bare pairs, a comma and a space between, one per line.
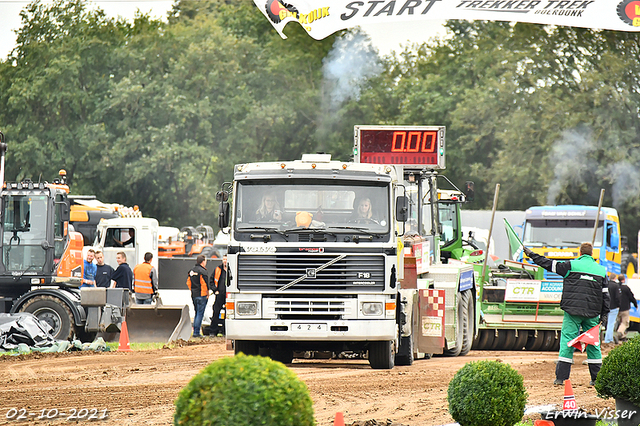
158, 323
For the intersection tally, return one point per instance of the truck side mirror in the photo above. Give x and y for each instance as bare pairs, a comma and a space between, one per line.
65, 214
222, 196
469, 190
223, 214
614, 242
402, 210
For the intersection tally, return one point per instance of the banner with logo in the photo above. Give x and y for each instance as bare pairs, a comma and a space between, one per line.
533, 291
321, 18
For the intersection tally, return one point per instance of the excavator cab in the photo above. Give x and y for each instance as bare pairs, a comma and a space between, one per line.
34, 235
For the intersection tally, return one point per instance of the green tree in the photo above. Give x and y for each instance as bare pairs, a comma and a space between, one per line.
52, 84
153, 113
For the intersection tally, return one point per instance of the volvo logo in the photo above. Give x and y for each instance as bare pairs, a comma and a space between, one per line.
311, 272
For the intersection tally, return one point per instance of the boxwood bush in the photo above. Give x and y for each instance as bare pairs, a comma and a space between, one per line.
487, 393
620, 373
244, 390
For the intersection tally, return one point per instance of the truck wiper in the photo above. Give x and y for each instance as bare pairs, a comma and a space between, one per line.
314, 230
25, 271
357, 228
571, 242
265, 229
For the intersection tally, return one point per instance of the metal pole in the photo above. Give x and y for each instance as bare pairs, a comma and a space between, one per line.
493, 215
3, 150
595, 225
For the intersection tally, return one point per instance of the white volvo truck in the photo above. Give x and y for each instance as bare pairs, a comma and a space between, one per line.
318, 247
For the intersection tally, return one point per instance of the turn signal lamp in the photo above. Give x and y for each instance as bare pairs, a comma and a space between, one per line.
229, 308
390, 308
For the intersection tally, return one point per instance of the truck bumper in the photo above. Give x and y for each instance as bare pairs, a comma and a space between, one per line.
299, 330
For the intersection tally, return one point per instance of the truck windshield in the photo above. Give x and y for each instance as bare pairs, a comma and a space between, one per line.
24, 230
307, 203
560, 233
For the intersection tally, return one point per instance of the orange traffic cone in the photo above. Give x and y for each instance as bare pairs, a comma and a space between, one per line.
123, 344
569, 398
339, 421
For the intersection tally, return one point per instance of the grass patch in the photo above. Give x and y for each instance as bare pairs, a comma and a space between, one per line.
113, 346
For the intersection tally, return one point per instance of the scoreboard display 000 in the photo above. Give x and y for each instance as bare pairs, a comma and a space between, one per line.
410, 146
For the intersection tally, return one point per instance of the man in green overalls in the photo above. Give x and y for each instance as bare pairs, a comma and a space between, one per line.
585, 302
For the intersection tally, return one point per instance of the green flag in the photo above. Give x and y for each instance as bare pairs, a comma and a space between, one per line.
515, 245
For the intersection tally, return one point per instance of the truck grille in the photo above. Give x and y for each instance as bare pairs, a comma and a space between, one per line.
270, 272
315, 308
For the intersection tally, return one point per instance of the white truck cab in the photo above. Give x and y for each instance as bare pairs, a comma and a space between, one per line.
133, 236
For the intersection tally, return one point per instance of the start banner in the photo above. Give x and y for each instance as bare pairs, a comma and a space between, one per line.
321, 18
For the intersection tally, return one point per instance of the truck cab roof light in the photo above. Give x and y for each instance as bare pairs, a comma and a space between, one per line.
316, 158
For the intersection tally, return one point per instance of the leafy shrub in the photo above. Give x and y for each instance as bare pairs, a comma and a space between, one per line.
487, 393
244, 390
620, 373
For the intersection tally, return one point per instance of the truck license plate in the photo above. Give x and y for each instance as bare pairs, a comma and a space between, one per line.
310, 328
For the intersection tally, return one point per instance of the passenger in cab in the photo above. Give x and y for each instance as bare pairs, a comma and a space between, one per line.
269, 209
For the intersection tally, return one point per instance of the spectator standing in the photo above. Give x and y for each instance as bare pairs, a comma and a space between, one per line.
103, 271
145, 281
218, 285
585, 302
122, 276
614, 305
197, 281
626, 300
89, 271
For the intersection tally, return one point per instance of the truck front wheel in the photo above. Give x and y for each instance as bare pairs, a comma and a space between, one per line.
282, 354
381, 355
247, 347
54, 312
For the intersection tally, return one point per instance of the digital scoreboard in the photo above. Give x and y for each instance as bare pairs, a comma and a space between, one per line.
411, 146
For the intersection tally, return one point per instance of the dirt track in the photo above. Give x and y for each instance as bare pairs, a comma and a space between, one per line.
139, 387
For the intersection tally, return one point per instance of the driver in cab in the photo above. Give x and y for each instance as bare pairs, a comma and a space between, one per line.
363, 212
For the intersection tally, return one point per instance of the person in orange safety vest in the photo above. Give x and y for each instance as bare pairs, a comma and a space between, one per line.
218, 285
145, 281
197, 281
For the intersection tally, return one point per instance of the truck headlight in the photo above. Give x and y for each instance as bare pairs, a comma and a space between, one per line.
372, 308
246, 308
